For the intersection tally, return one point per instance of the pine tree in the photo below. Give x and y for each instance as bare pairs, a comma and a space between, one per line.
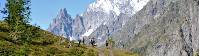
18, 12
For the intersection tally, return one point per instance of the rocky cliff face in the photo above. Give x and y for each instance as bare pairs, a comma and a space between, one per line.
162, 28
62, 24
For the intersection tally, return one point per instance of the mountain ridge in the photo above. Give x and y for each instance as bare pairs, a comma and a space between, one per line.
166, 27
97, 10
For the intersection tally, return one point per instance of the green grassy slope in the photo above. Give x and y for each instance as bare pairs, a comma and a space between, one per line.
47, 44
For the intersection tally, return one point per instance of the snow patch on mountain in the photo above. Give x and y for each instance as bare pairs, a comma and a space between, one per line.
87, 33
72, 38
105, 6
117, 6
138, 5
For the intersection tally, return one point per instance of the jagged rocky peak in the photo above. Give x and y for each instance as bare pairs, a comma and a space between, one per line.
63, 13
78, 26
62, 24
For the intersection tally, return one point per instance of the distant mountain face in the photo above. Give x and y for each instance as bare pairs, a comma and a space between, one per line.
62, 24
110, 13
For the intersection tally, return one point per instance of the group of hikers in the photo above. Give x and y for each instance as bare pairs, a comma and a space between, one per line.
92, 42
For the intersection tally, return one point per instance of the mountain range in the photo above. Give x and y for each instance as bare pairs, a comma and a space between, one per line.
149, 27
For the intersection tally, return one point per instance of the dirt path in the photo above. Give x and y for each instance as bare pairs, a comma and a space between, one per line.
110, 52
101, 52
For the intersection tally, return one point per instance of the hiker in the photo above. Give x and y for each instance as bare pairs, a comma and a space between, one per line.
79, 42
92, 42
106, 43
83, 40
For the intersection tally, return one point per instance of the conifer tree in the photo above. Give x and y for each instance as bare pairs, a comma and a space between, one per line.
18, 12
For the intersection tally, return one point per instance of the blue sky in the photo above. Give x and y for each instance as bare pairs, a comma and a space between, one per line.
43, 11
